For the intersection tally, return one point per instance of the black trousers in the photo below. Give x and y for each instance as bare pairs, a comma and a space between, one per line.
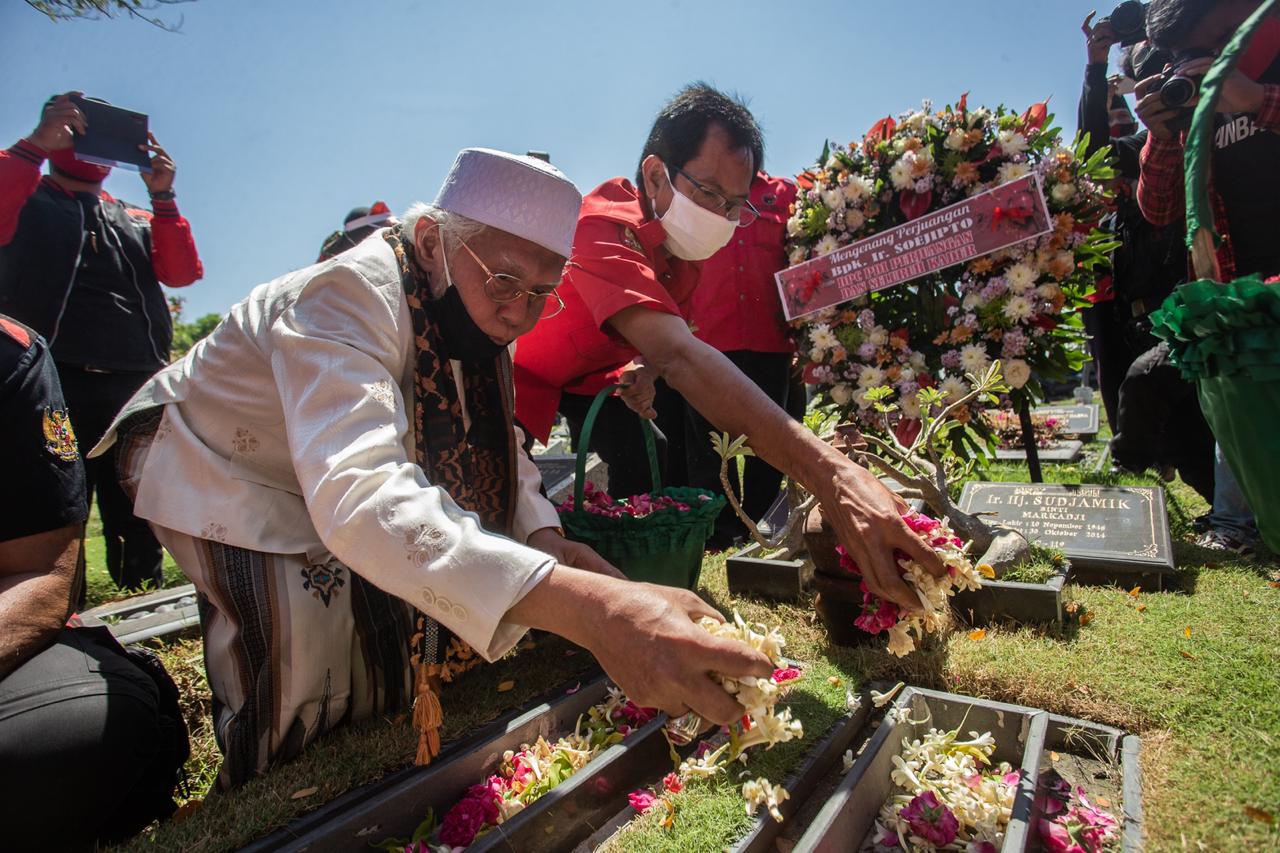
1115, 342
93, 399
80, 751
771, 372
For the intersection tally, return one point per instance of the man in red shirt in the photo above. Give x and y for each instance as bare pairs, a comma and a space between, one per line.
736, 309
627, 294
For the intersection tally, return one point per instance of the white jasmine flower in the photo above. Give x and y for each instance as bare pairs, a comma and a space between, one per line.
1011, 172
1018, 309
1012, 142
881, 699
761, 793
847, 760
1016, 372
973, 358
852, 701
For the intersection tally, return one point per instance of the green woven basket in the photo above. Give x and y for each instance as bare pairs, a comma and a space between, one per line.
664, 547
1226, 337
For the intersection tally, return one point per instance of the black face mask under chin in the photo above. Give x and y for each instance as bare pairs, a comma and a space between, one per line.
462, 338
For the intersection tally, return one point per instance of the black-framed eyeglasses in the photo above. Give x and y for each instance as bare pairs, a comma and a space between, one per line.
505, 289
741, 212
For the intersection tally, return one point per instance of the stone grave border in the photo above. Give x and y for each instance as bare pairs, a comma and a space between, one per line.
183, 621
1025, 603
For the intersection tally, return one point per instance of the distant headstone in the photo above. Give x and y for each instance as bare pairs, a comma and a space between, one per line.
1073, 420
1058, 451
1105, 531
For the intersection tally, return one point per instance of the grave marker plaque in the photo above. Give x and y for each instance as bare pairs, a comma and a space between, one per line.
1079, 420
1058, 451
1105, 531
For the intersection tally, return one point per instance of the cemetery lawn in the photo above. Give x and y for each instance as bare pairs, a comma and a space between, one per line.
1206, 703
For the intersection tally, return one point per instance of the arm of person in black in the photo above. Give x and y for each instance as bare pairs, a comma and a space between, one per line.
43, 506
1093, 114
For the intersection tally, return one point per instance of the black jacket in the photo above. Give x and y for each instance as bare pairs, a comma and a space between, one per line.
79, 271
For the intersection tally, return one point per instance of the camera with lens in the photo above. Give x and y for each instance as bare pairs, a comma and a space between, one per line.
1178, 90
1128, 22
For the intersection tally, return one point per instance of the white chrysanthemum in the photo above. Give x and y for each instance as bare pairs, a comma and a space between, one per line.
1011, 172
973, 358
822, 336
1018, 308
901, 173
1063, 193
833, 199
910, 406
870, 377
1012, 142
1049, 291
795, 225
954, 387
1016, 372
879, 336
855, 189
817, 354
973, 301
917, 361
798, 255
854, 219
906, 375
955, 140
841, 394
825, 245
1020, 278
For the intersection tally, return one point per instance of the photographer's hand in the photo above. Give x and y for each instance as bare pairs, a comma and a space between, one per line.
1099, 39
59, 120
1153, 112
163, 170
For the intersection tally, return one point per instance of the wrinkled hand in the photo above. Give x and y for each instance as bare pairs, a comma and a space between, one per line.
59, 120
648, 641
867, 518
637, 389
1098, 39
163, 170
569, 553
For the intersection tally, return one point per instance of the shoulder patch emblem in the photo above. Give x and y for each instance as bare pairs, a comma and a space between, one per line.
629, 237
15, 331
59, 438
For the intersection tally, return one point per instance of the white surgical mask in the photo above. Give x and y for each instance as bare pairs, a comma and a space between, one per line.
693, 232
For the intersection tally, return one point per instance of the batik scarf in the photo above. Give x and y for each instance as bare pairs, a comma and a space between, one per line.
476, 466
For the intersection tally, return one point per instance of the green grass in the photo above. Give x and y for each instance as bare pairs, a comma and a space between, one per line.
1210, 719
99, 587
1042, 565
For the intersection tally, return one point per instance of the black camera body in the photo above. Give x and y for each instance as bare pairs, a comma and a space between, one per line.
1129, 22
1178, 90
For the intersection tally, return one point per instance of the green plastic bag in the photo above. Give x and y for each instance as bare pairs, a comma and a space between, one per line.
664, 547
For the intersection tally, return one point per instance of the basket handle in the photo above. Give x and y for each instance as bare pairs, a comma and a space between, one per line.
1202, 240
580, 475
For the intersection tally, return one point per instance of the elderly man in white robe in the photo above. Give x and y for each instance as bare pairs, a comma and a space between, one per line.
336, 469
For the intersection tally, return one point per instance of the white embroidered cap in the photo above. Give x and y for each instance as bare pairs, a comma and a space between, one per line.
521, 195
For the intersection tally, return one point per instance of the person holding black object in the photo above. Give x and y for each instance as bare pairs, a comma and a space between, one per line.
91, 737
84, 270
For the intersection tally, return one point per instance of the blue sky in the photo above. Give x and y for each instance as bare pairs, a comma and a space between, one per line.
283, 115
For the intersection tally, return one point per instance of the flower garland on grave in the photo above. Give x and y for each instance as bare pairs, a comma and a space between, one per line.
1016, 304
906, 629
951, 796
529, 773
